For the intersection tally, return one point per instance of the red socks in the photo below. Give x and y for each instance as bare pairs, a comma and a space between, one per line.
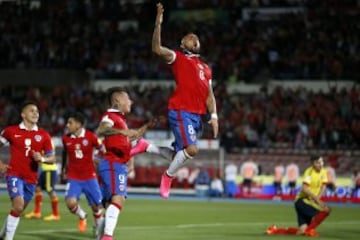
286, 231
54, 206
318, 219
38, 201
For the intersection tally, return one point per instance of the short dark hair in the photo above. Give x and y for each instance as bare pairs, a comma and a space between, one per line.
78, 116
110, 92
27, 103
313, 158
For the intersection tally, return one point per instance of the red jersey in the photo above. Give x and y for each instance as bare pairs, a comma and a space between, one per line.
117, 146
193, 78
80, 151
22, 143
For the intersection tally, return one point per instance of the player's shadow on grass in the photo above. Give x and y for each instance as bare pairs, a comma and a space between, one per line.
60, 236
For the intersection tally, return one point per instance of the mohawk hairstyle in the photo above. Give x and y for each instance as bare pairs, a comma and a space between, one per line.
110, 92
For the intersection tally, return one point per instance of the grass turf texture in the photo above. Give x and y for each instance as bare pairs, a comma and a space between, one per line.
156, 219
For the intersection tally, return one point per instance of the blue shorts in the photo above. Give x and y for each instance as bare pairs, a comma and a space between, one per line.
47, 180
185, 127
113, 177
18, 187
90, 188
305, 212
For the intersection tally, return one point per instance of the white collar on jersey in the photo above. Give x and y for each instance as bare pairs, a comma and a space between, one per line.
115, 110
190, 54
22, 126
81, 135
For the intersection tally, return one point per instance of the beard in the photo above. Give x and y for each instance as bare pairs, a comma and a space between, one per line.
194, 50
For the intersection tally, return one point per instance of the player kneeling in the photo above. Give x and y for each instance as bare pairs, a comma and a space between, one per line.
310, 210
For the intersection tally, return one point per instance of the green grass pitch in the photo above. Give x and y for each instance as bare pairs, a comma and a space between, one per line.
176, 219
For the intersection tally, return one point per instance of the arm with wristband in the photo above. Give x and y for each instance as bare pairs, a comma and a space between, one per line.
211, 106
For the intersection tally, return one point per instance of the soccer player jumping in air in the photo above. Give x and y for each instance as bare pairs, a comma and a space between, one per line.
192, 97
310, 210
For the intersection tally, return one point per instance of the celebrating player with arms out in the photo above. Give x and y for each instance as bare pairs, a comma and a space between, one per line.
27, 142
310, 210
113, 167
80, 172
192, 97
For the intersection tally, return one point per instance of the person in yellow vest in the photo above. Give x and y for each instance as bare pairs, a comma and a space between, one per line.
46, 182
310, 209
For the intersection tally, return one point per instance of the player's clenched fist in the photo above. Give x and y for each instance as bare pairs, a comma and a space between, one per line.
160, 11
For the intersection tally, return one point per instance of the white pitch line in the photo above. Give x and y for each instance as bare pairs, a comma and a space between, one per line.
220, 224
51, 231
254, 224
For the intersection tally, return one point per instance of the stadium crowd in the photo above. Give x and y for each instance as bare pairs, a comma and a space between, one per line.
112, 38
297, 118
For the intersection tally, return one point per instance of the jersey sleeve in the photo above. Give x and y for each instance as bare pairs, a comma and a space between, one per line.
107, 119
208, 73
174, 56
324, 177
48, 147
96, 141
5, 136
307, 177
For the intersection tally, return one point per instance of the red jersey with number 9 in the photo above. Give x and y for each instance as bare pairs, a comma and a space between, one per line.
22, 143
192, 78
117, 146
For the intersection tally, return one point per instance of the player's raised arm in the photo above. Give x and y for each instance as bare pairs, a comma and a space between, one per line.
165, 53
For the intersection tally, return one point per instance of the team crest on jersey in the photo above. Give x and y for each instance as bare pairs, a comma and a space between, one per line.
37, 138
85, 142
27, 142
193, 137
14, 190
122, 187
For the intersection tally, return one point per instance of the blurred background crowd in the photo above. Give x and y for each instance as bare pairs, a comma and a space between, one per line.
290, 118
248, 41
302, 39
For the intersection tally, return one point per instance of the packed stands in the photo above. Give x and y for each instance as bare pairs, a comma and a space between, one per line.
241, 40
